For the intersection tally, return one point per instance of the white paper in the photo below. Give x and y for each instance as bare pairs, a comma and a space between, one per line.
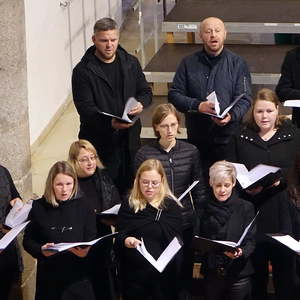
65, 246
130, 104
247, 178
292, 103
18, 214
188, 190
113, 210
10, 236
212, 98
287, 241
164, 258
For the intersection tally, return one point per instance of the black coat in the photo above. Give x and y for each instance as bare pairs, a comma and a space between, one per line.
288, 87
93, 93
138, 274
249, 149
182, 166
195, 79
71, 221
235, 215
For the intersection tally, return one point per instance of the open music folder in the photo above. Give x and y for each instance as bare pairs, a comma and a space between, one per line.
212, 97
11, 235
166, 256
286, 240
65, 246
130, 104
260, 175
205, 245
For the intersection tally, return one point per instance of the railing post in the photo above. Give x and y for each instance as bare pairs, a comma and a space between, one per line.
142, 35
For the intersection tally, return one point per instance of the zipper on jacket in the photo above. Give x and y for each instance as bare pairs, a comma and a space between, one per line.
172, 174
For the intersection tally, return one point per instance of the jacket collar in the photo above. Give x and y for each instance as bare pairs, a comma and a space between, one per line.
284, 133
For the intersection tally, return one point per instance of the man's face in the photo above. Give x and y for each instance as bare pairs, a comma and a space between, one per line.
106, 43
213, 35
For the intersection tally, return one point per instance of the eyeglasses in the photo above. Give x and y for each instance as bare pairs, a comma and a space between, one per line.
148, 183
87, 159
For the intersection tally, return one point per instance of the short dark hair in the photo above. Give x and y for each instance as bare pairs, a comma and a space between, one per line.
105, 24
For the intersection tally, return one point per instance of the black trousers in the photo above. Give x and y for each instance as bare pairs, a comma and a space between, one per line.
223, 288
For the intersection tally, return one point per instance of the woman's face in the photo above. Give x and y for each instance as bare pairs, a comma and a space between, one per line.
265, 115
150, 182
63, 187
168, 128
223, 189
87, 163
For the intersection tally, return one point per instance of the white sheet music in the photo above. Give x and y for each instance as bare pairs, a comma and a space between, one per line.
287, 241
113, 210
292, 103
187, 190
18, 214
65, 246
247, 178
164, 258
10, 236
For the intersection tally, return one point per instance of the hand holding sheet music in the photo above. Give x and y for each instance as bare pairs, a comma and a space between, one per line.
18, 214
65, 246
130, 104
207, 245
212, 97
164, 259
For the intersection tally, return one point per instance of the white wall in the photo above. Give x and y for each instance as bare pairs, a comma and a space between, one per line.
56, 39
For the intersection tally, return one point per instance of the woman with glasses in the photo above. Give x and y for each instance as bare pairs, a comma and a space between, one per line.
151, 214
61, 215
100, 194
10, 261
181, 162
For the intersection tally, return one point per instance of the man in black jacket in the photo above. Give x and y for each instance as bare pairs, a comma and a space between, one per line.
105, 78
214, 68
288, 87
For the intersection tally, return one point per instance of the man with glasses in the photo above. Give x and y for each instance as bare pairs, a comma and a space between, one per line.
106, 77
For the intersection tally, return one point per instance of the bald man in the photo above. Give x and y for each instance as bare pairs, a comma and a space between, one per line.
213, 68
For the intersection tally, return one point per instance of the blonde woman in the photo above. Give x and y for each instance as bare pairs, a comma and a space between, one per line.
153, 215
60, 216
100, 193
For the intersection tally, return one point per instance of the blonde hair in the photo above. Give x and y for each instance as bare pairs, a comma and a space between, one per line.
220, 171
75, 150
161, 112
136, 199
60, 167
265, 95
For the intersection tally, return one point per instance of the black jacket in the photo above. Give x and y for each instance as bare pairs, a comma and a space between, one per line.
138, 275
71, 221
182, 166
248, 148
93, 93
288, 87
227, 221
195, 79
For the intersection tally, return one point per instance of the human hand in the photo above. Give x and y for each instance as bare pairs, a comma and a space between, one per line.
255, 191
80, 251
13, 201
137, 109
235, 254
207, 107
46, 252
222, 122
132, 242
120, 125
